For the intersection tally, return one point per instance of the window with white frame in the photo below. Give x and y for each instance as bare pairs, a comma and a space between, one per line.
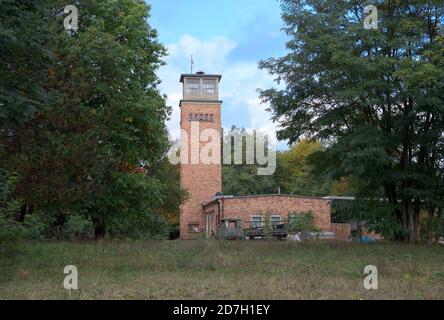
275, 219
192, 86
256, 221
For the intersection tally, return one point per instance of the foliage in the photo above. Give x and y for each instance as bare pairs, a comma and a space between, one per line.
296, 172
169, 176
376, 96
375, 215
301, 222
24, 64
242, 179
13, 231
441, 225
128, 209
80, 110
78, 228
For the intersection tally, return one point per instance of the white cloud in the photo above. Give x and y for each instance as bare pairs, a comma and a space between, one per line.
240, 80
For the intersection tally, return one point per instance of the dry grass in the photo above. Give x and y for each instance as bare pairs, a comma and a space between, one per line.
222, 270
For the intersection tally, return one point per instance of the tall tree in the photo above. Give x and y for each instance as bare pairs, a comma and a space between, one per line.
104, 119
376, 95
242, 179
296, 172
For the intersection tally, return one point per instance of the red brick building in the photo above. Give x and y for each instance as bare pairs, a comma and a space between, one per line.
201, 176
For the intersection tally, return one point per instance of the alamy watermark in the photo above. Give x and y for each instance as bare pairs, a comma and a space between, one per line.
371, 18
204, 147
371, 281
71, 21
71, 281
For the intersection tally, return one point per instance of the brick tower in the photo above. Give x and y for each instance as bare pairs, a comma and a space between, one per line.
200, 110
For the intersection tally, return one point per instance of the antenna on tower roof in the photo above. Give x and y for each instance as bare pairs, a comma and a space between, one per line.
192, 62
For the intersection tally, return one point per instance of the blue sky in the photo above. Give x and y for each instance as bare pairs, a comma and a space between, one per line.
227, 37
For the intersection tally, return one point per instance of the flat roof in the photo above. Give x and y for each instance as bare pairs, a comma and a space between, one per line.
199, 75
228, 197
339, 198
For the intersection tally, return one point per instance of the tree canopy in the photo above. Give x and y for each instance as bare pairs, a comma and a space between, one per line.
82, 121
376, 96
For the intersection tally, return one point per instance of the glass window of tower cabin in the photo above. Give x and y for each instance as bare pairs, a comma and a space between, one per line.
192, 86
209, 86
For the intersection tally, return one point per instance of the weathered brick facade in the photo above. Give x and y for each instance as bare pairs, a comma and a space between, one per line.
201, 213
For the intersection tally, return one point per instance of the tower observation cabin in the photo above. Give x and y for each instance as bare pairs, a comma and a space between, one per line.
200, 86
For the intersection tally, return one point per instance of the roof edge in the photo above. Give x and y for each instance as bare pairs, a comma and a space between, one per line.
195, 75
210, 201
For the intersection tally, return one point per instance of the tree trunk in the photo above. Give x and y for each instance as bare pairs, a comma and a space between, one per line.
431, 212
416, 216
404, 219
99, 228
408, 221
411, 215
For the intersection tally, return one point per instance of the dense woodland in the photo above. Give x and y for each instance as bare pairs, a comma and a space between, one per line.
83, 139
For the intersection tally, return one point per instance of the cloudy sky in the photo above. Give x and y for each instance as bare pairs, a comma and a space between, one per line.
225, 37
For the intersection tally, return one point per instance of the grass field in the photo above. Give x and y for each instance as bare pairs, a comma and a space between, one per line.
222, 270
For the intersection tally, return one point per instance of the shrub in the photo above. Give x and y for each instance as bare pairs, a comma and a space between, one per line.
302, 221
140, 227
129, 208
78, 228
11, 230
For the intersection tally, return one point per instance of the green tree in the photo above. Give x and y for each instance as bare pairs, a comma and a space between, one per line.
242, 179
375, 95
296, 173
169, 176
22, 95
102, 125
24, 62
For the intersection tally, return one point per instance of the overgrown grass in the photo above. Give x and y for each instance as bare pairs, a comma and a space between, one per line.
222, 270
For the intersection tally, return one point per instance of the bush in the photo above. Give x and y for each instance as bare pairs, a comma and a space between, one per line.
11, 230
78, 228
303, 221
148, 226
174, 231
129, 208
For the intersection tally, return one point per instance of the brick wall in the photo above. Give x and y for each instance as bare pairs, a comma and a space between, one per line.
245, 207
201, 181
